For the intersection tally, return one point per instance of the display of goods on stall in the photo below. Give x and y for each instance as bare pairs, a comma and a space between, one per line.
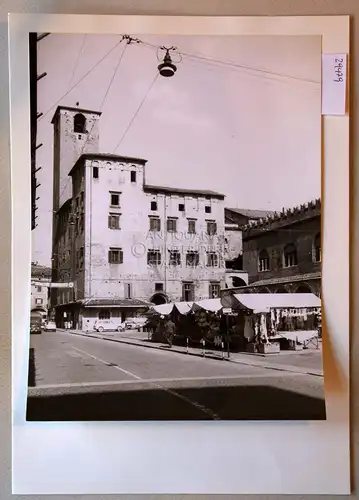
208, 323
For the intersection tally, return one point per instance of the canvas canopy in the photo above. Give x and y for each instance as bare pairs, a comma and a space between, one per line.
264, 302
166, 309
183, 307
212, 305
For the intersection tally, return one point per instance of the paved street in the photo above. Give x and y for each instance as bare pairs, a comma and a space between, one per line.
79, 378
310, 359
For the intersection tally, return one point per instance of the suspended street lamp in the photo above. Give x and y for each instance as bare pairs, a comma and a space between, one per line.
167, 68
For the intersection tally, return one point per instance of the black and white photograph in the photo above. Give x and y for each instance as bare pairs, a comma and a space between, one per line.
176, 228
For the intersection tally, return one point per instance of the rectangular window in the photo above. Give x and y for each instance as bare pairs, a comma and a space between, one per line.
128, 291
115, 199
171, 225
39, 302
155, 224
192, 226
211, 227
175, 258
158, 287
192, 259
188, 292
214, 289
114, 221
133, 176
181, 207
212, 259
153, 205
115, 256
153, 257
95, 172
38, 288
104, 314
208, 209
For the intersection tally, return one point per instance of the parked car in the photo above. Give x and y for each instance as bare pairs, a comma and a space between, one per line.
135, 323
35, 324
50, 326
109, 325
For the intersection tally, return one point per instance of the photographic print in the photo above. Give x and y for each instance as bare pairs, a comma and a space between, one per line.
176, 228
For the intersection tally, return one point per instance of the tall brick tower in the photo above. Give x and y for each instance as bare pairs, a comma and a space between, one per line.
76, 131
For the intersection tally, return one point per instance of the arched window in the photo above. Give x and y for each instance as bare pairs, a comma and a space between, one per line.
237, 282
290, 256
317, 248
263, 261
79, 124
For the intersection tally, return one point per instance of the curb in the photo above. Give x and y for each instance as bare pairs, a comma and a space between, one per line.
269, 367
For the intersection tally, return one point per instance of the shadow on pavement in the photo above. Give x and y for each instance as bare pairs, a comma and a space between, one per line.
32, 370
229, 403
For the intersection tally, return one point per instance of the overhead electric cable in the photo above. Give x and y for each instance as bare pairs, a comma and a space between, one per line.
235, 65
100, 109
136, 113
77, 60
81, 79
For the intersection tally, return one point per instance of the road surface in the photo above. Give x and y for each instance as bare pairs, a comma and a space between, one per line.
79, 378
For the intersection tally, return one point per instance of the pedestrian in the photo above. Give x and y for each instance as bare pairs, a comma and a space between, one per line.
170, 329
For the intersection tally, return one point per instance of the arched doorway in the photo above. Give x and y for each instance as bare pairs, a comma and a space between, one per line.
38, 310
303, 288
158, 299
236, 282
281, 289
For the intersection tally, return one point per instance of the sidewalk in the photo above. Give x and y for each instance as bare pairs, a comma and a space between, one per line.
273, 362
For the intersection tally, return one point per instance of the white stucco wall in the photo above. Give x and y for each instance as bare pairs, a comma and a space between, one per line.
104, 280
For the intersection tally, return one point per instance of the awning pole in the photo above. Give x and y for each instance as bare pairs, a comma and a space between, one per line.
227, 329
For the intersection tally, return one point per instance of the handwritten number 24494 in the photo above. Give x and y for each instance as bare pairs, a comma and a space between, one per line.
338, 70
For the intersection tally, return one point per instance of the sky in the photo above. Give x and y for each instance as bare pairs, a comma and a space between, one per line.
242, 115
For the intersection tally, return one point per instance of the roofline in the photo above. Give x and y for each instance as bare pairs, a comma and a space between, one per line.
277, 225
261, 211
166, 189
80, 110
104, 156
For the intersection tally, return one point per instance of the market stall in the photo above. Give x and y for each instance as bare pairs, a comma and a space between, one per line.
194, 321
270, 318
